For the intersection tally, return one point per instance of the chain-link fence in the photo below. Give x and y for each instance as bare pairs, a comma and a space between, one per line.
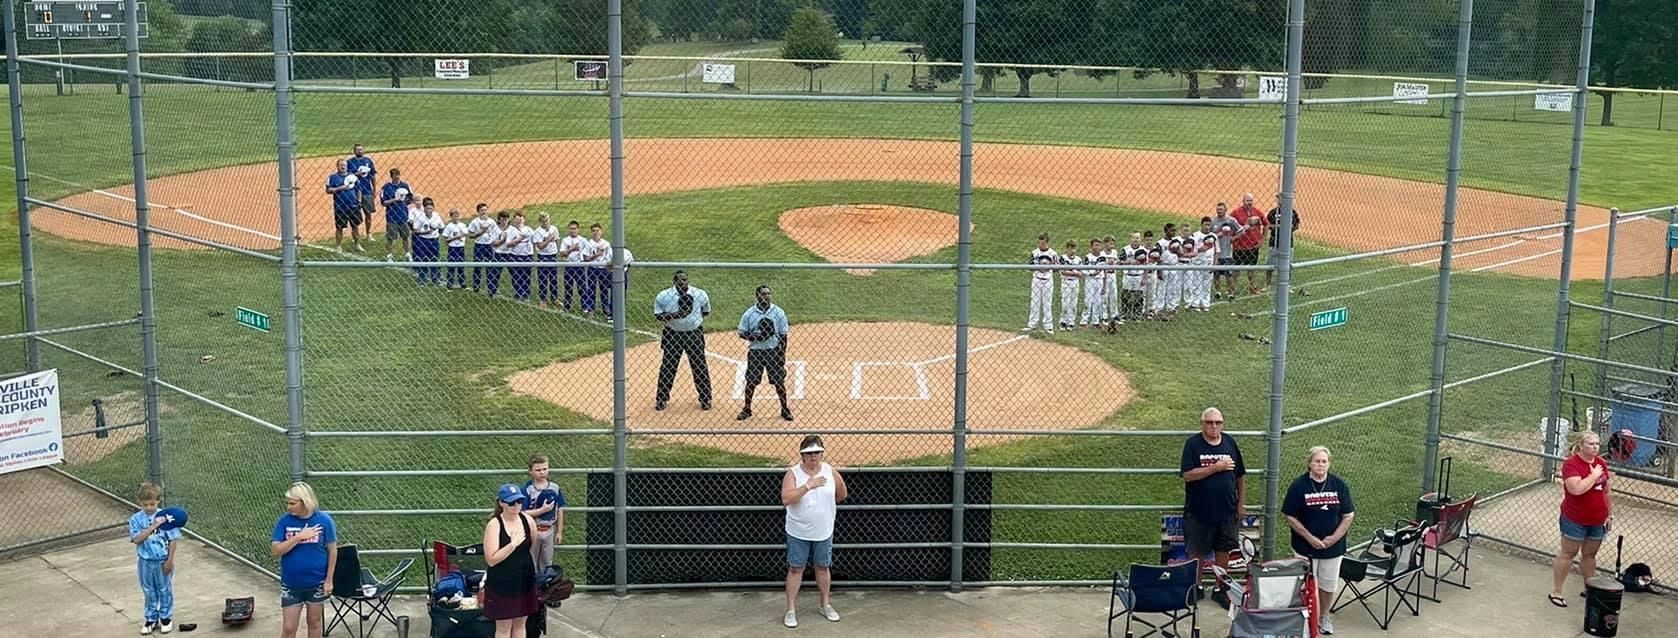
393, 269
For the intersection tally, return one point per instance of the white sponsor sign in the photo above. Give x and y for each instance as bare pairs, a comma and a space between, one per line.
718, 73
30, 432
1562, 102
451, 69
1273, 87
1410, 93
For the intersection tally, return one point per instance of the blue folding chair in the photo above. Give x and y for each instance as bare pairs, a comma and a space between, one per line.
1152, 589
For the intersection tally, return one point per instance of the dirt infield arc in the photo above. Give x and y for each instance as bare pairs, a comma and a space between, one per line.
1347, 210
876, 376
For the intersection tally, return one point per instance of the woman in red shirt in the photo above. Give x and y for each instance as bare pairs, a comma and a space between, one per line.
1584, 510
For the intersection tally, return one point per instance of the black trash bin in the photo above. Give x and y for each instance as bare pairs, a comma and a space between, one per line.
1602, 606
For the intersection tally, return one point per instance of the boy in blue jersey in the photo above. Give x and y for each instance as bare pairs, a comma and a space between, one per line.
767, 352
394, 197
546, 503
367, 176
156, 549
346, 208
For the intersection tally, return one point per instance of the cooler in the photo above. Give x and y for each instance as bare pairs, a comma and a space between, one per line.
1636, 408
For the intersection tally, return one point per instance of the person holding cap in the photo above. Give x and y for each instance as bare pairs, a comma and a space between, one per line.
394, 195
510, 585
811, 491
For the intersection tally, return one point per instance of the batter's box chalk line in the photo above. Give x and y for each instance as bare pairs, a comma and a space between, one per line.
796, 370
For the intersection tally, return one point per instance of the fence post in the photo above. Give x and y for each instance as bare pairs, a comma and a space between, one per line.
1666, 293
291, 307
142, 229
1284, 274
1581, 103
964, 282
20, 164
1447, 234
1605, 331
620, 420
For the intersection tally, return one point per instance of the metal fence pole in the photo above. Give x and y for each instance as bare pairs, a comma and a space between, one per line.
1447, 234
1666, 293
964, 283
620, 420
1606, 329
142, 229
1581, 97
20, 164
291, 306
1284, 273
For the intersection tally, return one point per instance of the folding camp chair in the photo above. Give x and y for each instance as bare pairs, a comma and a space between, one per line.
356, 590
1452, 529
442, 560
447, 559
1393, 562
1152, 589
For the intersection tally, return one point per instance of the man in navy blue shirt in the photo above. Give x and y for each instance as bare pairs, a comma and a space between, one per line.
346, 207
1214, 494
367, 176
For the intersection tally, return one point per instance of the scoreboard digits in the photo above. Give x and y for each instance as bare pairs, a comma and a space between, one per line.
79, 20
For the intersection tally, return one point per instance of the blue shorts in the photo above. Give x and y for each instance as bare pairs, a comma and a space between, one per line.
294, 596
801, 552
1575, 532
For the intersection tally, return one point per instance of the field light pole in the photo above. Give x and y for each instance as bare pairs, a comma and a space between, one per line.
142, 229
620, 419
1447, 235
1284, 275
1581, 101
20, 163
291, 306
964, 287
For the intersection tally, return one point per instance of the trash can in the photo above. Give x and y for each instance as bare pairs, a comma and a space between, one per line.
1602, 606
1636, 408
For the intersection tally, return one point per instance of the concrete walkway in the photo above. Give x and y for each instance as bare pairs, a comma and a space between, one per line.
90, 590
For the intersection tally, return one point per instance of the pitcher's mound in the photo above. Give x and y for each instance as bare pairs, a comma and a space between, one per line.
874, 378
869, 233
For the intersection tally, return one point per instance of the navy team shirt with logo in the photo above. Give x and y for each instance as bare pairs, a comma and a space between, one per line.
540, 497
1319, 508
305, 565
1211, 499
353, 164
344, 199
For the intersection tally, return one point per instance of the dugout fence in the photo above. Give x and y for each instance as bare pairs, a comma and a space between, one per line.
259, 351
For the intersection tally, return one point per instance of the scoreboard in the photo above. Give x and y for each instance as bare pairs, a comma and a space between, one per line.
78, 20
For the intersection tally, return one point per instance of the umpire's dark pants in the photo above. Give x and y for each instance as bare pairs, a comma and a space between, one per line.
674, 344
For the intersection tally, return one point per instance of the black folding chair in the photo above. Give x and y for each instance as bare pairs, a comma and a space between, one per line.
1451, 530
356, 590
1152, 589
1393, 563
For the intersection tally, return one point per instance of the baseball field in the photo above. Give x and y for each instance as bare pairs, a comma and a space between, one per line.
726, 182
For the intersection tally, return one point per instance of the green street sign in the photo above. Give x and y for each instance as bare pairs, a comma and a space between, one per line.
1328, 318
258, 321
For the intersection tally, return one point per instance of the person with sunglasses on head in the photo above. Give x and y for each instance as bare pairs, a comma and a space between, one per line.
811, 491
1214, 495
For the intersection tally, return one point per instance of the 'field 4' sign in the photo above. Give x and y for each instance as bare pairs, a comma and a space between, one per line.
250, 318
1328, 318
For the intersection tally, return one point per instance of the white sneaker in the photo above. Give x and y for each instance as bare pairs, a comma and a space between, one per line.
829, 613
166, 626
790, 620
1327, 626
145, 628
389, 257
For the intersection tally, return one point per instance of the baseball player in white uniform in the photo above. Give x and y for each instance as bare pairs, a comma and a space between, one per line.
1095, 310
1070, 279
1170, 290
1042, 287
1110, 283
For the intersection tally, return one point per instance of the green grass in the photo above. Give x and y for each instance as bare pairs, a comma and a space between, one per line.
362, 374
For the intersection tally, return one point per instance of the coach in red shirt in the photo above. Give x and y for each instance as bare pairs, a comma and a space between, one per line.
1247, 242
1585, 517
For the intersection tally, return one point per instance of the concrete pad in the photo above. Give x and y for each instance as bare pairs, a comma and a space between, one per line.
42, 504
90, 590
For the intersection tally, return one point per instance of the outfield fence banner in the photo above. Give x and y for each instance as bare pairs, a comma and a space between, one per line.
999, 256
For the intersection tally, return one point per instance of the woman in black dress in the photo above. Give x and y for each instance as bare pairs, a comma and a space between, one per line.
510, 586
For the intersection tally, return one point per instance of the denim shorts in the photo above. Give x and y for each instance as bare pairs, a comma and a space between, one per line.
801, 552
294, 596
1575, 532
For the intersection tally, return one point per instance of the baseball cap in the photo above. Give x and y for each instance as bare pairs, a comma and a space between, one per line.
401, 193
510, 494
173, 518
361, 169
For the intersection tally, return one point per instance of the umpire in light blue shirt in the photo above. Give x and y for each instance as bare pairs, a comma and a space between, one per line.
682, 309
764, 326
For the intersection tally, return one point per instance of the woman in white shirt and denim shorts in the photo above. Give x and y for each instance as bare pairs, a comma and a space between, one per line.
811, 491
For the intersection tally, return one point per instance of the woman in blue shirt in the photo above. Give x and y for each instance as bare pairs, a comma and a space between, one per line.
306, 542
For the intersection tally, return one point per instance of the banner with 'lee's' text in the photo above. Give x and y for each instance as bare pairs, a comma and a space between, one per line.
31, 434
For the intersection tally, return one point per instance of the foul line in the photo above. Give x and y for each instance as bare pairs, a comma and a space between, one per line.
947, 357
1517, 260
1348, 295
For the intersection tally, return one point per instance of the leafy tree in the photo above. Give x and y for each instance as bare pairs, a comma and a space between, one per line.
681, 20
892, 19
848, 16
1183, 38
811, 36
166, 33
1043, 33
229, 34
1635, 44
769, 18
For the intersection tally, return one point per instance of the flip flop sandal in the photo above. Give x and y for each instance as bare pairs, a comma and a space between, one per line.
1557, 601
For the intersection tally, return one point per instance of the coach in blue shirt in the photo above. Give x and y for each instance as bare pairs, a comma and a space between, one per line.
764, 326
683, 309
366, 180
346, 209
